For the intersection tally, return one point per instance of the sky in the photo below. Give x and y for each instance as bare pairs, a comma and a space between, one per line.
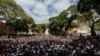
42, 10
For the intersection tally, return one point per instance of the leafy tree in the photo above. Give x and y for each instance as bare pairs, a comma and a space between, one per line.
90, 10
87, 5
10, 10
59, 25
97, 26
22, 25
40, 28
15, 15
56, 25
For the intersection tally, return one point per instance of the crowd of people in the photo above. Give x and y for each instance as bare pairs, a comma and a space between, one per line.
89, 46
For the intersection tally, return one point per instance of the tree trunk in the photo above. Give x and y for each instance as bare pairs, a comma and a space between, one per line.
67, 27
69, 23
93, 33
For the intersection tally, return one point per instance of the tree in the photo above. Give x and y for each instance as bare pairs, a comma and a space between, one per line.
59, 25
15, 15
10, 10
90, 10
97, 26
40, 28
87, 5
23, 25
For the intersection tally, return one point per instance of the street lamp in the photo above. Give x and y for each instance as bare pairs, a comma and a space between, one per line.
8, 34
18, 18
9, 30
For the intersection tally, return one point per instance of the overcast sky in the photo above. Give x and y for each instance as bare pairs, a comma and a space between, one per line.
42, 10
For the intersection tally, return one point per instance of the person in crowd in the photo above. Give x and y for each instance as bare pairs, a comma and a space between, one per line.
89, 46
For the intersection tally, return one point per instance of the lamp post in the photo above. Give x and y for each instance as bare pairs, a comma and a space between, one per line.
18, 18
8, 34
9, 30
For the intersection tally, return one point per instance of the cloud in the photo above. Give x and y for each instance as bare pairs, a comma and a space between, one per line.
26, 3
42, 10
73, 1
62, 5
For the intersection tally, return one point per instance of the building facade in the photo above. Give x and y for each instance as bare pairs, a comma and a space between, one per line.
4, 29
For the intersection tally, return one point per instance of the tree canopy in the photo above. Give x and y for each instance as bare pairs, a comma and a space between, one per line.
15, 16
40, 28
90, 10
59, 25
87, 5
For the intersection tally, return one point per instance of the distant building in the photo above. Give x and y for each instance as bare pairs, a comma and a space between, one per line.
83, 28
4, 28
